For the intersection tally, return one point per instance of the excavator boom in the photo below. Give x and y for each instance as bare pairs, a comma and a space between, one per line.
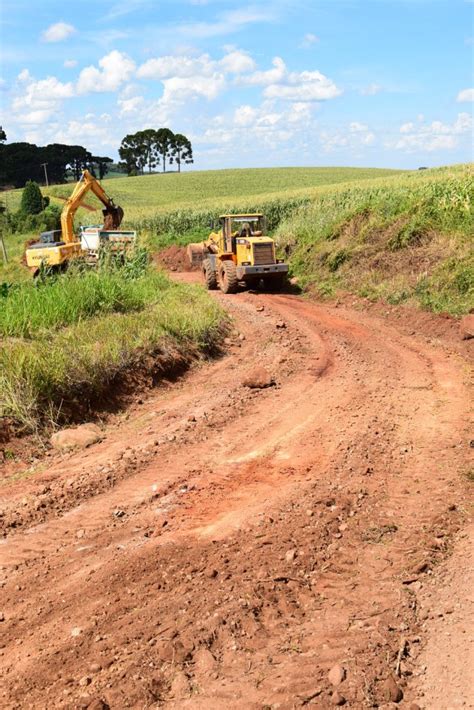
113, 215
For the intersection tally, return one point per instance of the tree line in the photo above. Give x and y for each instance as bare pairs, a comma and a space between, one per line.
23, 161
150, 148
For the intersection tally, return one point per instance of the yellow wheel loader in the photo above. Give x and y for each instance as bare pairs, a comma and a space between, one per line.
56, 248
239, 252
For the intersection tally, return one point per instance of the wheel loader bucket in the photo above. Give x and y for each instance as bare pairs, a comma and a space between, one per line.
195, 253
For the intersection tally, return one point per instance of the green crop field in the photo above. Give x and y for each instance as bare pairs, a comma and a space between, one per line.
405, 239
172, 204
144, 195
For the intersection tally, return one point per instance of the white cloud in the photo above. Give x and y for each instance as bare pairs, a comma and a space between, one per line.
176, 66
116, 68
270, 76
39, 100
70, 63
371, 90
304, 86
292, 86
309, 40
24, 75
465, 95
237, 62
353, 139
300, 112
184, 77
433, 136
58, 32
182, 88
90, 133
130, 106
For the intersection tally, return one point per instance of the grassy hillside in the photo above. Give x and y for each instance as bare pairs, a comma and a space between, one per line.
408, 238
62, 342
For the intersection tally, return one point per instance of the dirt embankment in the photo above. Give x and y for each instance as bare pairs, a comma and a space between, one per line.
174, 258
235, 547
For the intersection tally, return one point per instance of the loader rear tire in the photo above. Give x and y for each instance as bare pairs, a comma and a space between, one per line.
228, 281
210, 276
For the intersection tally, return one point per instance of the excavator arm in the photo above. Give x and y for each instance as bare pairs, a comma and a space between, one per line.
113, 215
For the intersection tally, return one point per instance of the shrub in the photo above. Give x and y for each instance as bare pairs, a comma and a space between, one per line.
31, 199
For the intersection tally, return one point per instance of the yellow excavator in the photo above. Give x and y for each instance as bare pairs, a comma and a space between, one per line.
239, 252
58, 247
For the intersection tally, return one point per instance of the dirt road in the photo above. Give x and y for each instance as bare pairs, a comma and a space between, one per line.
228, 547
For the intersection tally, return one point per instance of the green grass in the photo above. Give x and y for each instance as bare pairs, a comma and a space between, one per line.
34, 309
58, 349
407, 238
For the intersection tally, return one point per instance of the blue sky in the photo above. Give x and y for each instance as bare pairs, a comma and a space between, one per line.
328, 82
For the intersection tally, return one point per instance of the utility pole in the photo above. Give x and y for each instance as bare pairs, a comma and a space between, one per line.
4, 249
45, 173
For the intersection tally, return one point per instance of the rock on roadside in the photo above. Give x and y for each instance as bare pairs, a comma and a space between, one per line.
336, 675
258, 378
78, 438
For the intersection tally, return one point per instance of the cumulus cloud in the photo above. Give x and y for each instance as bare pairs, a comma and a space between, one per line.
39, 100
176, 66
70, 63
181, 88
114, 69
353, 139
280, 83
185, 77
465, 95
304, 86
433, 136
237, 62
58, 32
270, 76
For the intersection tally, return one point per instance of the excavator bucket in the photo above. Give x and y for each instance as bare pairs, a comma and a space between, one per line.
112, 217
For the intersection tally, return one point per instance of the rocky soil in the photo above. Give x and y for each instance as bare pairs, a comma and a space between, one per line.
282, 527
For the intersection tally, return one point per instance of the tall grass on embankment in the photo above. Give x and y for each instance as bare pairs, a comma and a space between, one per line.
408, 238
64, 343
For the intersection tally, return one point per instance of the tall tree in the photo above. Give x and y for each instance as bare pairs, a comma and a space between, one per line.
182, 151
102, 164
164, 145
78, 158
148, 141
3, 135
131, 152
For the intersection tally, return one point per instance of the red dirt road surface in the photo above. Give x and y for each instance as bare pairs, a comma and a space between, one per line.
234, 547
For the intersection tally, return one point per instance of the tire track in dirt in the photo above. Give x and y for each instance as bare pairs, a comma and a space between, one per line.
276, 540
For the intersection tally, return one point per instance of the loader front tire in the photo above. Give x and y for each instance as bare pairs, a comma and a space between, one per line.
210, 276
228, 281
